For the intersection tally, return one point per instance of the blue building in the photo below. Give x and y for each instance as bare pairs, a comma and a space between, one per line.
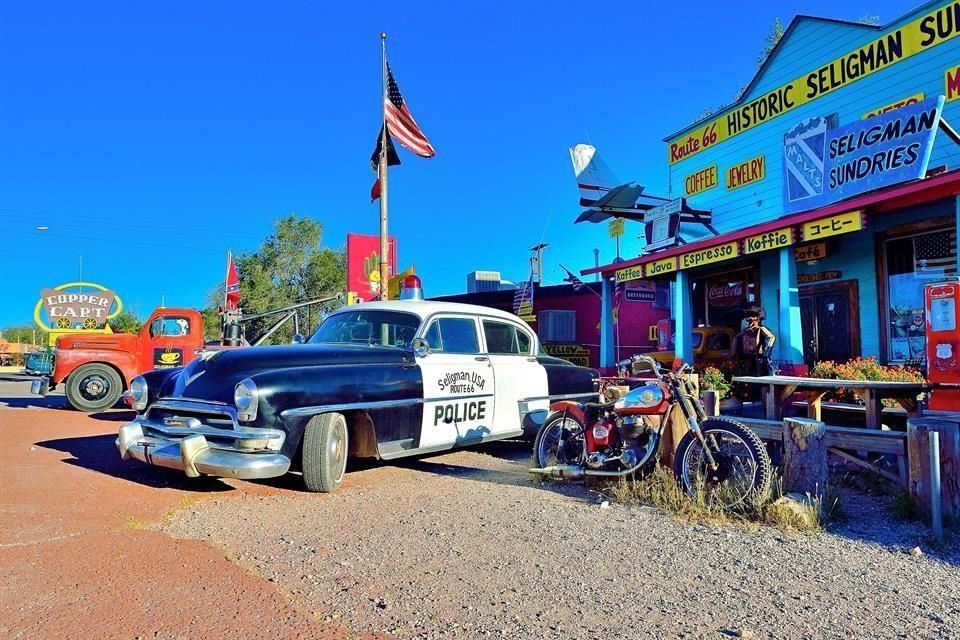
833, 184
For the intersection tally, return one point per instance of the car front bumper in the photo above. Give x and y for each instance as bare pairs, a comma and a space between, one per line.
191, 450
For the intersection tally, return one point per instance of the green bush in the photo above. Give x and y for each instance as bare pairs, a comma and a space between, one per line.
713, 379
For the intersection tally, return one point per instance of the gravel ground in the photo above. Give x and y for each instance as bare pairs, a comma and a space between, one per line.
465, 546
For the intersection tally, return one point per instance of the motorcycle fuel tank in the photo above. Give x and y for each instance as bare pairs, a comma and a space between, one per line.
647, 399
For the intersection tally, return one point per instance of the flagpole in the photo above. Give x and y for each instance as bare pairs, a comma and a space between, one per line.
225, 278
382, 174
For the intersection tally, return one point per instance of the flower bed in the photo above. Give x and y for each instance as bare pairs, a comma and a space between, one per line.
862, 369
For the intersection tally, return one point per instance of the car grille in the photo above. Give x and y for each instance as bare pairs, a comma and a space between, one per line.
216, 415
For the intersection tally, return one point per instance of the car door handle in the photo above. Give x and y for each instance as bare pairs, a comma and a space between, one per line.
481, 358
532, 359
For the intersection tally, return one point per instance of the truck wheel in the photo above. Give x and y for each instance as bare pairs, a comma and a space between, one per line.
93, 387
325, 448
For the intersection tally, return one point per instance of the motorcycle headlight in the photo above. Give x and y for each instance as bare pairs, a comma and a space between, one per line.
138, 393
245, 398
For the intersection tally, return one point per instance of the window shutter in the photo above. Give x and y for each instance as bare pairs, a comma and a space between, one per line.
557, 326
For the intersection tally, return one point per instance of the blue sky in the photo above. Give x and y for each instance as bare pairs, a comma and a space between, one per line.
152, 137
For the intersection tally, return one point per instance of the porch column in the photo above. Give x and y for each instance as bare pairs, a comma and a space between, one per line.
683, 317
957, 223
790, 335
607, 358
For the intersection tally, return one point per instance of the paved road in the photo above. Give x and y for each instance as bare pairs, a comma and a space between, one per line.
76, 560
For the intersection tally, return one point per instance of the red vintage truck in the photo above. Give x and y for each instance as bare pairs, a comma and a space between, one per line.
96, 369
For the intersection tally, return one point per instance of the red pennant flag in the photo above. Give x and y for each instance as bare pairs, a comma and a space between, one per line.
232, 285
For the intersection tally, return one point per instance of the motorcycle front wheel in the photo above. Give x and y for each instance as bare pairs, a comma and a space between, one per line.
559, 441
743, 469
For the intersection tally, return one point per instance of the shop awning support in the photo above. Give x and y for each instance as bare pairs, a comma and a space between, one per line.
790, 337
683, 315
607, 358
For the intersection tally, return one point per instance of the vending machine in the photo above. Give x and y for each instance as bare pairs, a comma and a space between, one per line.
941, 300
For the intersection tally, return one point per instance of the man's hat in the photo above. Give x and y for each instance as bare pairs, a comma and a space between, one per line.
755, 311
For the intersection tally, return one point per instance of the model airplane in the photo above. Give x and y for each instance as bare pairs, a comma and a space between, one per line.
602, 192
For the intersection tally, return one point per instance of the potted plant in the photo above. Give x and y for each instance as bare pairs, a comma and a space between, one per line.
713, 379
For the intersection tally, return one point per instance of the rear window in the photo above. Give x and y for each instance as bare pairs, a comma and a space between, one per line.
503, 338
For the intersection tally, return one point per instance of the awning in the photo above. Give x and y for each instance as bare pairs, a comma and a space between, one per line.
836, 219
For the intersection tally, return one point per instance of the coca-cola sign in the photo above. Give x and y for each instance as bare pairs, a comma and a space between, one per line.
725, 293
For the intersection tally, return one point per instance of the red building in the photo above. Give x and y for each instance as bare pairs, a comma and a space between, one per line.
568, 321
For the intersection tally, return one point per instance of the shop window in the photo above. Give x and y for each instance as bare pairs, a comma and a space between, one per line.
911, 262
719, 300
557, 326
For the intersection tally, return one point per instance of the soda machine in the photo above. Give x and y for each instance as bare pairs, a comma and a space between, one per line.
941, 300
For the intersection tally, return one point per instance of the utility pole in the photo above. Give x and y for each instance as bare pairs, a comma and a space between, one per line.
596, 264
536, 261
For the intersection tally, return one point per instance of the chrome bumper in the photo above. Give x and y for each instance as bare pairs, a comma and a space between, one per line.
190, 451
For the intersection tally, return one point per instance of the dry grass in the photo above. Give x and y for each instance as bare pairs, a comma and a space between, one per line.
133, 522
660, 489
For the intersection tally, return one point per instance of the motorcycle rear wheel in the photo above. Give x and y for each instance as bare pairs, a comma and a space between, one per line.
744, 470
559, 441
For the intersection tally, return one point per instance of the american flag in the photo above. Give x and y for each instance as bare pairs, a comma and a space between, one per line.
523, 296
936, 251
573, 279
402, 125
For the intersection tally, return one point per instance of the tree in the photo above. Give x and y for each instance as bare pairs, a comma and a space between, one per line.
24, 334
290, 266
776, 32
127, 321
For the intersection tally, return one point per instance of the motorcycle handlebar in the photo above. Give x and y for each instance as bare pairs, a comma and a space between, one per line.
654, 365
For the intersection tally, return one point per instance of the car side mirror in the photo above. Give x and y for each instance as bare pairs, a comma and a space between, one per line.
420, 347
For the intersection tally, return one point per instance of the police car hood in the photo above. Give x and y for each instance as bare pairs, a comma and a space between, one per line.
213, 376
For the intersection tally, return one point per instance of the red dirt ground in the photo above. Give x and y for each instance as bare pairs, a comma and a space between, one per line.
75, 561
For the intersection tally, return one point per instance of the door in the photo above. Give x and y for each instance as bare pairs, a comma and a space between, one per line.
517, 372
458, 382
829, 318
166, 342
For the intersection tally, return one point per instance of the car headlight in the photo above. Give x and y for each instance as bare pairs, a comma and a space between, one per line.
245, 398
138, 393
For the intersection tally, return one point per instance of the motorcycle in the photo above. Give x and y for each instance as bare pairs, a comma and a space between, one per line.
623, 437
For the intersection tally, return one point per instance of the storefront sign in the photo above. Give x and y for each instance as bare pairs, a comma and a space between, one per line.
660, 267
575, 353
630, 273
77, 306
724, 293
701, 180
748, 171
820, 276
363, 264
833, 226
815, 251
616, 227
709, 256
927, 31
640, 291
824, 165
951, 83
769, 240
903, 102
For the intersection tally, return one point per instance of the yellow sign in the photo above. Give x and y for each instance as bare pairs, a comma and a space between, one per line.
630, 273
700, 181
393, 284
575, 353
833, 226
615, 227
951, 83
660, 267
769, 240
902, 102
815, 251
927, 31
653, 332
709, 256
746, 172
64, 328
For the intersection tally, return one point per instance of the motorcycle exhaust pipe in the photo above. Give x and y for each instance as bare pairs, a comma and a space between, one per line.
561, 472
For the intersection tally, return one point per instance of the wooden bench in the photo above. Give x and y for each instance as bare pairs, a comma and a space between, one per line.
841, 440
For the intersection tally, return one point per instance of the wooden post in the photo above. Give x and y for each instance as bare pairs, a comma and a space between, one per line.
804, 456
711, 402
936, 515
921, 476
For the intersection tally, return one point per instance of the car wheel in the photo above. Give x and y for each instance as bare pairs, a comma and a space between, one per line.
325, 449
93, 387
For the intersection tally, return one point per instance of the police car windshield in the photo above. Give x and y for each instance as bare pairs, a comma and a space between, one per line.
385, 328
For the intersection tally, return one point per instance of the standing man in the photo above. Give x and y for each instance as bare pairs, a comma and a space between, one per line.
753, 346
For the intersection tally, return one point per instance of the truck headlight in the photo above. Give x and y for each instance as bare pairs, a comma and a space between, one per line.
138, 394
245, 398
